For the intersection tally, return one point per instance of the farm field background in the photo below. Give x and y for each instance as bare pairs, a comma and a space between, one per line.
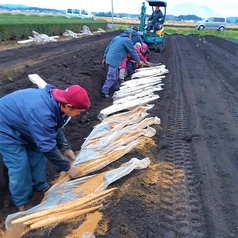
191, 187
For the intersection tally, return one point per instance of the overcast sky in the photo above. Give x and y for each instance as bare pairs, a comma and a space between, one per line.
228, 7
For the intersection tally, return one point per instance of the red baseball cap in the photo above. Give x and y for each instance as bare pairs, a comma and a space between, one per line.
74, 95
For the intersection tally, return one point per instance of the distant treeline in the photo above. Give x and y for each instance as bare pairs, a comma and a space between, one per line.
168, 17
233, 20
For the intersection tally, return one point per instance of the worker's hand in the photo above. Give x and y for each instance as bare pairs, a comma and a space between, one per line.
142, 64
69, 154
73, 171
103, 63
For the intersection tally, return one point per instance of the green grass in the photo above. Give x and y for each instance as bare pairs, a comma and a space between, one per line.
226, 34
19, 26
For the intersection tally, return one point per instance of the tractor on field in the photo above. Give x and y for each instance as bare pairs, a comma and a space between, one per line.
153, 32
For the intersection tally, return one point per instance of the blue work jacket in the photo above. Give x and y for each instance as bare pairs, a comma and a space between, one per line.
118, 49
136, 37
155, 16
33, 116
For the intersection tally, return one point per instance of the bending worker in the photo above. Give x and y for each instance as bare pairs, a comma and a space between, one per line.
114, 54
30, 122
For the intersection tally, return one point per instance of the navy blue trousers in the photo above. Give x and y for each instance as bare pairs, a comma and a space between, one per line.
26, 171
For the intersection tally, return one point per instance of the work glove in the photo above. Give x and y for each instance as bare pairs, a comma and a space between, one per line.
103, 63
69, 154
142, 63
73, 172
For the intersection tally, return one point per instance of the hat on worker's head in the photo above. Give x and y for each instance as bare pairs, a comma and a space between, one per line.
128, 31
74, 95
135, 28
138, 45
144, 46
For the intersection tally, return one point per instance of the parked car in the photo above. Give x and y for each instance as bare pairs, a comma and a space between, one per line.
81, 13
214, 23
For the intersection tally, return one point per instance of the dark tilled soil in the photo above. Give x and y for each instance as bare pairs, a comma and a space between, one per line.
191, 187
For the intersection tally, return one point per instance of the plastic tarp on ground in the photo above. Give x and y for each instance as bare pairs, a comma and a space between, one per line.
71, 191
136, 93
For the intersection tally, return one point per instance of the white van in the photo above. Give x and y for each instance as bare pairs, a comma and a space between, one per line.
216, 23
81, 13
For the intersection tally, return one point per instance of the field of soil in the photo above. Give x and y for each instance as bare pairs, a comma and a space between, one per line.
190, 189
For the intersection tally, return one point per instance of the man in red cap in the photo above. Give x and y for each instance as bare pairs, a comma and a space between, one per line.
30, 133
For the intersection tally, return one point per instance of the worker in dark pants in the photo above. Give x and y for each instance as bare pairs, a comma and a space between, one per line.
113, 56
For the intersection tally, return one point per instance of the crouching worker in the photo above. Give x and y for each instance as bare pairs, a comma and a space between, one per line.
123, 70
145, 50
131, 65
30, 122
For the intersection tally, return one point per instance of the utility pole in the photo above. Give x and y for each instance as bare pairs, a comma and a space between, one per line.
112, 15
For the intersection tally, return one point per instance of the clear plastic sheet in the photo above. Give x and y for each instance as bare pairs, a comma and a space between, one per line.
63, 193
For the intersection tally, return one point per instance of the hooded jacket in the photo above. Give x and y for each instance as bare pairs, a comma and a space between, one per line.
117, 50
136, 37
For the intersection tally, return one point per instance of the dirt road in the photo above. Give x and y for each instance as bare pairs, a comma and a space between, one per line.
191, 187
